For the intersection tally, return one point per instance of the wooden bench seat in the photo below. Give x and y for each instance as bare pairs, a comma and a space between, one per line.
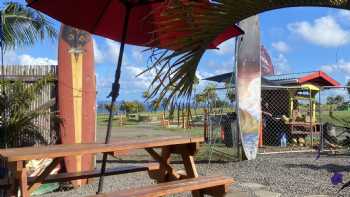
63, 177
216, 186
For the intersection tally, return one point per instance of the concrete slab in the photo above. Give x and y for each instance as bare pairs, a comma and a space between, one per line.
238, 194
317, 196
264, 193
253, 186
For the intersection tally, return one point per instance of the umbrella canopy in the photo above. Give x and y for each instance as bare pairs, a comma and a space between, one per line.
106, 18
126, 21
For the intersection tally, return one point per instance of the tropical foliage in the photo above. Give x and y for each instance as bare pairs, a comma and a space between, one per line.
17, 121
177, 69
110, 107
23, 26
132, 106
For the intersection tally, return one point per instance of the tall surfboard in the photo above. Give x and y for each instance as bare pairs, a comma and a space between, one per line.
76, 95
248, 85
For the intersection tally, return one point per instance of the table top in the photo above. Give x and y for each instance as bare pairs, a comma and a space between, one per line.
63, 150
303, 123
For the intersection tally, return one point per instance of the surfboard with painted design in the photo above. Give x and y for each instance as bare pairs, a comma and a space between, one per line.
76, 95
248, 85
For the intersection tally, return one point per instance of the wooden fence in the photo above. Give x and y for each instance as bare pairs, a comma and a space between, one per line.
30, 74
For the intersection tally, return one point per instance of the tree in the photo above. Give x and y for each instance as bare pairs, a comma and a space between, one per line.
199, 99
155, 104
164, 104
17, 115
230, 92
132, 106
24, 26
210, 94
330, 100
108, 107
145, 95
338, 100
334, 102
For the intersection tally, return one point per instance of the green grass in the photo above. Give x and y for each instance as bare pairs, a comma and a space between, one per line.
339, 118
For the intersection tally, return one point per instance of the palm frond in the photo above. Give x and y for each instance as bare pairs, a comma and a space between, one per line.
18, 117
197, 23
190, 26
23, 26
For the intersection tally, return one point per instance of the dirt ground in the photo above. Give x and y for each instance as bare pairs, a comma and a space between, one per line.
137, 131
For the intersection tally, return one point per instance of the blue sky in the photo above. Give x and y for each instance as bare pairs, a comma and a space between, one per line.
298, 40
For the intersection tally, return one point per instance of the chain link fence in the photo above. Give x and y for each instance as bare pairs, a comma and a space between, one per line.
295, 114
220, 127
334, 114
290, 113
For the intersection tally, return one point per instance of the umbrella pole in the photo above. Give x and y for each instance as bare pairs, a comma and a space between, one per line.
2, 43
114, 94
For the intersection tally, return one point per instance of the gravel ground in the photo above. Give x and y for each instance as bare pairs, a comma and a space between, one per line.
296, 174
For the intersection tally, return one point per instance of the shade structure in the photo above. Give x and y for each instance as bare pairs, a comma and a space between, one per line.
106, 18
126, 21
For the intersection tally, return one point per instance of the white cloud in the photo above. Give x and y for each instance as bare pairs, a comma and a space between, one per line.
219, 67
130, 83
280, 46
112, 50
281, 65
133, 81
329, 69
11, 58
137, 54
29, 60
226, 47
324, 31
99, 57
342, 67
345, 14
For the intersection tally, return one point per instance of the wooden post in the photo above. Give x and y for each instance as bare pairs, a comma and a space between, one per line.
189, 118
178, 115
205, 129
120, 120
183, 119
162, 122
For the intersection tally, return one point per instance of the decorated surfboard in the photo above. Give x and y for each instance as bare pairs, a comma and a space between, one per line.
248, 85
76, 95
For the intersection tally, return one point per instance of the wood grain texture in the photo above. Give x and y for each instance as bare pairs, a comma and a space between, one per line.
63, 150
62, 177
173, 187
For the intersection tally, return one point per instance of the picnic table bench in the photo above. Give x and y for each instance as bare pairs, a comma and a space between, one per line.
162, 171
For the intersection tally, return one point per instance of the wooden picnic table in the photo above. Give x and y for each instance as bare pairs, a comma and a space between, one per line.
16, 159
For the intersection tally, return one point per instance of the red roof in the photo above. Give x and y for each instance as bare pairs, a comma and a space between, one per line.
318, 78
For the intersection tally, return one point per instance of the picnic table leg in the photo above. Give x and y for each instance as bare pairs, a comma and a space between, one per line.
164, 163
166, 172
12, 190
23, 180
191, 170
18, 179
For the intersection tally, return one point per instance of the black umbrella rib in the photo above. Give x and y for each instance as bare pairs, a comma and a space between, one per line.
100, 16
143, 2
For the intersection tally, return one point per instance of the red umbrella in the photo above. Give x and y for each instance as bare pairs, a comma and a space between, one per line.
108, 17
120, 20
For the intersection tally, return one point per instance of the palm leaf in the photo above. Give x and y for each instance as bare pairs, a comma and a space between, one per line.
203, 22
24, 26
18, 121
